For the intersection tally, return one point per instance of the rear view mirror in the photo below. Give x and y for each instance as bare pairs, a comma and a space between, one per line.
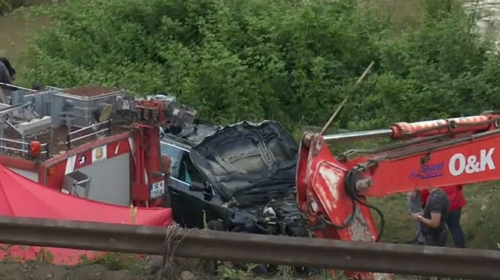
197, 187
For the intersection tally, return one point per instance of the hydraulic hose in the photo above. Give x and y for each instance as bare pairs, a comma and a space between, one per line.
350, 187
351, 191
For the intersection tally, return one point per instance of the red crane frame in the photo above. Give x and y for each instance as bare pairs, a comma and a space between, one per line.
332, 191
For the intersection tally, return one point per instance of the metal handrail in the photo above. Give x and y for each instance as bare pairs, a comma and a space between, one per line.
44, 146
16, 87
108, 129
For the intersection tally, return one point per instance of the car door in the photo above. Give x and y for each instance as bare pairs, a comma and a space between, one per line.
207, 204
192, 203
177, 203
187, 206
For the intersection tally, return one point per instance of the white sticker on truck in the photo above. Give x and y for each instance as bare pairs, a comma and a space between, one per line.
157, 189
459, 163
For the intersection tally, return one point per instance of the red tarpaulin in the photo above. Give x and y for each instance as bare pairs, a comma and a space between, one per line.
21, 197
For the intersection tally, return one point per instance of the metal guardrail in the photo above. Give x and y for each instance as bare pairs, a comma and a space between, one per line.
238, 247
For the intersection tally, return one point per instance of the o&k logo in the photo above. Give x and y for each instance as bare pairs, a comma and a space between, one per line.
460, 163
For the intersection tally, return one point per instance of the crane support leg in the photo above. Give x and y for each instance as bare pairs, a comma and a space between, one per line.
330, 210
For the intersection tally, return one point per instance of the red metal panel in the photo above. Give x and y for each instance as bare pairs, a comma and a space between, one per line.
71, 160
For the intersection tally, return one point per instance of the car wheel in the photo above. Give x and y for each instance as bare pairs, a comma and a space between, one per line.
215, 225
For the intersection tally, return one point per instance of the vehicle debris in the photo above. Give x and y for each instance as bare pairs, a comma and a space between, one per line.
241, 176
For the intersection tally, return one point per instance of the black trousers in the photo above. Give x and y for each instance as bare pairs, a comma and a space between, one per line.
437, 238
456, 231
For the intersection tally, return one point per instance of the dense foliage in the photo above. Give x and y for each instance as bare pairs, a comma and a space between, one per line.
289, 60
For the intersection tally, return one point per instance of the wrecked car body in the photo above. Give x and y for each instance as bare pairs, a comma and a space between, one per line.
239, 178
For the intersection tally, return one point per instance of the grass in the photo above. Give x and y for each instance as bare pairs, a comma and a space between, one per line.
144, 268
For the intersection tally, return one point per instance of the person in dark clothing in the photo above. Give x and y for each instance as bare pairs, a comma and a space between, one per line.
457, 202
4, 75
433, 219
456, 231
414, 206
10, 69
5, 81
7, 76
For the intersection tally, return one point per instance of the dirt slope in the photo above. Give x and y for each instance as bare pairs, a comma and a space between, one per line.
14, 28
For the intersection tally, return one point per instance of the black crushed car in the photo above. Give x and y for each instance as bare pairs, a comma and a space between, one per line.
238, 178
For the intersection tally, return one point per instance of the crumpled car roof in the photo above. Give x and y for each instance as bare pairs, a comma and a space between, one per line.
245, 154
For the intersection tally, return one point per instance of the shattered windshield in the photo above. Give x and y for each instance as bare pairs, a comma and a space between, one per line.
245, 156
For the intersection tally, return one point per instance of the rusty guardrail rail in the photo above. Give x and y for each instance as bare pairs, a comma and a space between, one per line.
294, 251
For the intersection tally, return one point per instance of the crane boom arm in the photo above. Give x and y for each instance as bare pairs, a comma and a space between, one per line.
331, 192
463, 161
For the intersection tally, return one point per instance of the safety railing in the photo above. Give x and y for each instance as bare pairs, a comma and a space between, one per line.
20, 128
14, 87
32, 149
8, 92
242, 247
93, 130
40, 98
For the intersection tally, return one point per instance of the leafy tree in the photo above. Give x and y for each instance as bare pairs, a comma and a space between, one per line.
287, 60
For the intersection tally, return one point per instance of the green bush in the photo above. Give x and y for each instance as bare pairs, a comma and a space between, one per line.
293, 61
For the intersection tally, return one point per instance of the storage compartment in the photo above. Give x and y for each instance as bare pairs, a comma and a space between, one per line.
73, 107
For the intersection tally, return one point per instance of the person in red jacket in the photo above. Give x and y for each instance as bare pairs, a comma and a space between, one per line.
457, 202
